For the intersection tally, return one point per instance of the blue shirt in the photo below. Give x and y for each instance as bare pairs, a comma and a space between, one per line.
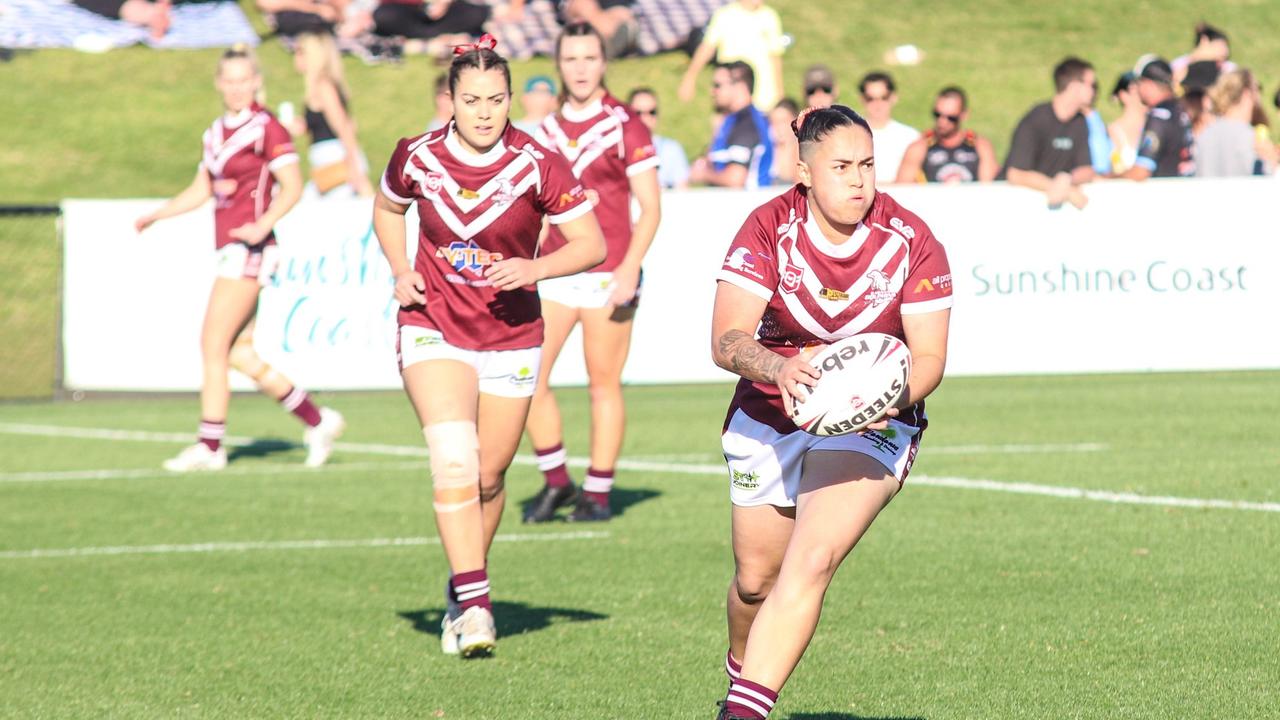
1099, 142
744, 139
673, 165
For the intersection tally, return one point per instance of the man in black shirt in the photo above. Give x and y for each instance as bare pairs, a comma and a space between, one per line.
1050, 148
1165, 149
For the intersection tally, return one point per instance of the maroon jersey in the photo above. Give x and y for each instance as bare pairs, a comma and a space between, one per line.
240, 153
474, 210
819, 292
606, 145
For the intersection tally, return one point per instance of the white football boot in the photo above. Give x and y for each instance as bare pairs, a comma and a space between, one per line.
473, 632
449, 636
319, 439
197, 458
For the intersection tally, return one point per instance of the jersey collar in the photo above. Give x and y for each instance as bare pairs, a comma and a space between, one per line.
841, 251
591, 110
466, 157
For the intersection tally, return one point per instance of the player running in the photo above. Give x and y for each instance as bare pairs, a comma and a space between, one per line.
828, 259
469, 324
612, 152
246, 155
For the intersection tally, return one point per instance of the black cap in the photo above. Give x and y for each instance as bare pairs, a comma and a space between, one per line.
1155, 68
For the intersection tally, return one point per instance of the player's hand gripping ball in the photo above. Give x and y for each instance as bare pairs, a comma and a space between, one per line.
862, 377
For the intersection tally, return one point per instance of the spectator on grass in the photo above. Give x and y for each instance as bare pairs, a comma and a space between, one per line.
294, 17
1050, 147
786, 148
891, 137
820, 89
1211, 45
748, 31
1232, 146
1166, 147
613, 19
538, 99
949, 153
443, 103
151, 14
338, 166
431, 28
1126, 130
673, 164
741, 154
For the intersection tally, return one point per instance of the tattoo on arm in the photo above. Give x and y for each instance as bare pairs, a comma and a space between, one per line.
749, 358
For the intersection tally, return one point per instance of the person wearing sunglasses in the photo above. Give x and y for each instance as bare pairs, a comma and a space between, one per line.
948, 152
673, 164
820, 90
1050, 147
1167, 143
879, 95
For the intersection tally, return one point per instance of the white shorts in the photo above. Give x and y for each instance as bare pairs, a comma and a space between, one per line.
505, 373
235, 261
765, 466
584, 290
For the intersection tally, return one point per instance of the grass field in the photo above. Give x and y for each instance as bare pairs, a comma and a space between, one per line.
988, 589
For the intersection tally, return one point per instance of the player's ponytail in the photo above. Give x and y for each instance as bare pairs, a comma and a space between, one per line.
814, 124
479, 55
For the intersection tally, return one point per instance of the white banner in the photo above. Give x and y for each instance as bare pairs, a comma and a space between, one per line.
1166, 275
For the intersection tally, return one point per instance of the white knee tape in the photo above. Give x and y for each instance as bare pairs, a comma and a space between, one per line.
455, 463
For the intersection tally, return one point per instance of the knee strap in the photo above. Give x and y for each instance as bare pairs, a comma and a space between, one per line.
455, 464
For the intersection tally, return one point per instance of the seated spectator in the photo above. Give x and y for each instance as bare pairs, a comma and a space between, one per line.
745, 30
1050, 147
338, 166
1232, 146
741, 154
1201, 75
151, 14
443, 103
431, 28
538, 101
1126, 130
890, 137
948, 153
294, 17
673, 165
786, 148
1166, 147
613, 19
820, 90
1211, 45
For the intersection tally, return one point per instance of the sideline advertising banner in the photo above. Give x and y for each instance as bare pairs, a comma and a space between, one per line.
1164, 275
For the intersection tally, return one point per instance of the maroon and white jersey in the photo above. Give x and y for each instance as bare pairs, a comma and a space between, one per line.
606, 145
819, 292
240, 153
474, 210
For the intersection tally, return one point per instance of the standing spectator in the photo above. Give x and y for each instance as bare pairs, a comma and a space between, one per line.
741, 154
879, 95
786, 149
334, 154
431, 28
1231, 146
1212, 45
948, 153
538, 101
746, 30
443, 103
1126, 130
820, 89
1166, 148
1201, 75
294, 17
151, 14
1099, 141
673, 165
1050, 147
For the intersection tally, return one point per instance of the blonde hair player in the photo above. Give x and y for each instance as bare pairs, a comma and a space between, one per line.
825, 260
250, 169
612, 153
469, 328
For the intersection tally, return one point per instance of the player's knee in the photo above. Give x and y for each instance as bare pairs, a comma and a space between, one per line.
491, 486
604, 389
818, 564
753, 588
455, 464
244, 358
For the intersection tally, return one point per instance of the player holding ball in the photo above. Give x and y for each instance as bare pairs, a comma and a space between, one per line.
826, 260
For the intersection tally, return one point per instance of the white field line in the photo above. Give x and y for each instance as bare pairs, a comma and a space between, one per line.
1008, 449
153, 473
716, 469
219, 547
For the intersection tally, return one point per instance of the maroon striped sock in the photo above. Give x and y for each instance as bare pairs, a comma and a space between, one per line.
597, 484
750, 700
211, 432
471, 589
732, 667
298, 402
551, 463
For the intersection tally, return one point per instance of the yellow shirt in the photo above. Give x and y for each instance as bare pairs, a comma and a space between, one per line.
754, 37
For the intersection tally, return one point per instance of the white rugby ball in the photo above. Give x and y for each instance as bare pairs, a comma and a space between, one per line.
862, 377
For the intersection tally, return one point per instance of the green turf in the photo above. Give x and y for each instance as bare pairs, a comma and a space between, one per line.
30, 263
958, 604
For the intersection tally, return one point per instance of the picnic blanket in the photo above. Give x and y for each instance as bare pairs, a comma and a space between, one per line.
59, 24
664, 25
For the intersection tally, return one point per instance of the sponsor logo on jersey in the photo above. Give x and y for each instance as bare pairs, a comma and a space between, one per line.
1063, 143
533, 150
905, 230
827, 293
791, 277
425, 340
593, 197
790, 228
880, 292
434, 181
523, 377
467, 194
567, 199
467, 256
745, 480
743, 261
924, 286
641, 153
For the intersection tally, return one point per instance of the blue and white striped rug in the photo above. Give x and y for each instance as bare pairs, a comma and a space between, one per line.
59, 24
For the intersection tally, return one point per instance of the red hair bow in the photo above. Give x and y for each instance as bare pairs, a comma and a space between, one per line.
486, 42
798, 123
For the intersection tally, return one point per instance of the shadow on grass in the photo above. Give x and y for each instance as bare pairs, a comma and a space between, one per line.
261, 448
620, 500
511, 618
847, 716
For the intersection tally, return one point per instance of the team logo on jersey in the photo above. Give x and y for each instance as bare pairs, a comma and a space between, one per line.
905, 230
790, 228
467, 256
505, 194
880, 292
532, 150
434, 181
791, 277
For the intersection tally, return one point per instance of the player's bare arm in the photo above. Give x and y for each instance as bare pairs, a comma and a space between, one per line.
584, 250
388, 225
648, 195
195, 195
735, 348
926, 336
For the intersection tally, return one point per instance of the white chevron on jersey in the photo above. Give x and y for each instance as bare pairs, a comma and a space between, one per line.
449, 187
599, 138
219, 149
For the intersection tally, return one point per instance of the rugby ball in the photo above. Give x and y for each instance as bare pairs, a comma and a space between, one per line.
862, 377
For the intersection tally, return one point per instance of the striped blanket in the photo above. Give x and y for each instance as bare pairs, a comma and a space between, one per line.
664, 25
59, 24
